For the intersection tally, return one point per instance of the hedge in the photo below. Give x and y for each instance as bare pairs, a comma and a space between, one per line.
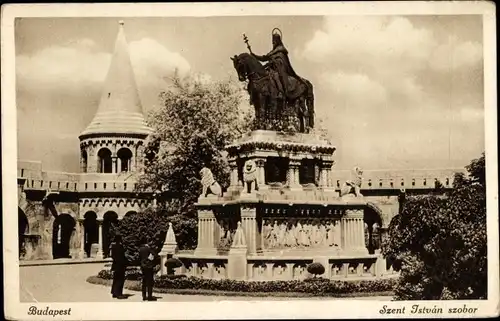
137, 285
131, 273
317, 286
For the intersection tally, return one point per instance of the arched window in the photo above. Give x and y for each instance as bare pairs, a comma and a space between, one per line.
105, 164
91, 231
124, 160
84, 161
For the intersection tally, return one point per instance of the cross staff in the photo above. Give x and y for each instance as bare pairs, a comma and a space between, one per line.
245, 39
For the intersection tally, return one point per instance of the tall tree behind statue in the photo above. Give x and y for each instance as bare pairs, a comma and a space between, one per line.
441, 241
196, 121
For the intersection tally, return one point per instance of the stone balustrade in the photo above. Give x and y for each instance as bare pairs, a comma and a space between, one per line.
81, 187
397, 179
276, 268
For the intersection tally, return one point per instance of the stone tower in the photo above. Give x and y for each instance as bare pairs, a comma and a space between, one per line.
112, 153
113, 141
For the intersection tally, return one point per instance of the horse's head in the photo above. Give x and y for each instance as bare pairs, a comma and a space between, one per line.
240, 66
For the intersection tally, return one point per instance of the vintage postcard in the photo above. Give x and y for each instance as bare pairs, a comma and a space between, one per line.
250, 160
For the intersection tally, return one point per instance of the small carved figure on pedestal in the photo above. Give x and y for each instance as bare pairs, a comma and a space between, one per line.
209, 184
250, 176
353, 187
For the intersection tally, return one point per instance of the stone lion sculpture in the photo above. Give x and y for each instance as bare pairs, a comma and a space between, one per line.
353, 186
209, 184
250, 176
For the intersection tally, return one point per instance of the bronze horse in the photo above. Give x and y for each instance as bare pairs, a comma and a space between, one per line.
264, 93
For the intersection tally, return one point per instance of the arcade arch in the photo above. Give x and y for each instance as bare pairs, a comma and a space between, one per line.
130, 213
373, 224
109, 222
91, 230
63, 227
104, 161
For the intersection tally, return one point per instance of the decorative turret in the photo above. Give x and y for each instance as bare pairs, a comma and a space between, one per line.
113, 141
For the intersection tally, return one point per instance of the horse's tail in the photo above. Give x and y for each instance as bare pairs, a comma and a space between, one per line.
310, 101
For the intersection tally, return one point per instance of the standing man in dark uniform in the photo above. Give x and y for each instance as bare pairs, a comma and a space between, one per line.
118, 267
148, 260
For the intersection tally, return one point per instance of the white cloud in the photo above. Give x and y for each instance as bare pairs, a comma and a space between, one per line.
59, 87
455, 55
78, 63
62, 67
153, 62
359, 89
371, 42
393, 91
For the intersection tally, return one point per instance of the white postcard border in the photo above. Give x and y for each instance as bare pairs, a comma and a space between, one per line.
234, 309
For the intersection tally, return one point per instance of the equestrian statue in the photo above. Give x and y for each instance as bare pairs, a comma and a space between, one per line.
277, 93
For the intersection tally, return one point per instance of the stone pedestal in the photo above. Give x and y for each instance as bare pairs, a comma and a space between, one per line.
169, 248
352, 229
380, 266
237, 258
249, 225
206, 231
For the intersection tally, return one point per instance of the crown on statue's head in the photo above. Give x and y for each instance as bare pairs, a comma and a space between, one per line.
277, 34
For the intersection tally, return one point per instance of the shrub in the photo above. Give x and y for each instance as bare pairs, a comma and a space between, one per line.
441, 241
131, 273
318, 286
323, 286
316, 268
171, 264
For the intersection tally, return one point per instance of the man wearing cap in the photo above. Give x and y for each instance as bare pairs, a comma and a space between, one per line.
148, 261
118, 267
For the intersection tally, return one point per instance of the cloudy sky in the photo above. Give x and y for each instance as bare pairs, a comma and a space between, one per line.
393, 91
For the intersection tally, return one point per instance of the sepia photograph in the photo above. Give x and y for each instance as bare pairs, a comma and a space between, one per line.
262, 160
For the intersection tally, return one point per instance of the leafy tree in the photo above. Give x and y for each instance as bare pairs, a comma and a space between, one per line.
191, 129
441, 241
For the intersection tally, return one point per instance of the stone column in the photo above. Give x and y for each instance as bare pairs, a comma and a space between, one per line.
261, 173
91, 159
269, 271
76, 241
249, 224
113, 166
100, 254
293, 174
132, 163
234, 174
327, 171
210, 270
81, 252
353, 237
206, 232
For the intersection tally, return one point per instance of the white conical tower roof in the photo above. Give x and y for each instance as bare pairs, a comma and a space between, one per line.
120, 109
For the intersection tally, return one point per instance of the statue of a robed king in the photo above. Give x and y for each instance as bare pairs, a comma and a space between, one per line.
281, 97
